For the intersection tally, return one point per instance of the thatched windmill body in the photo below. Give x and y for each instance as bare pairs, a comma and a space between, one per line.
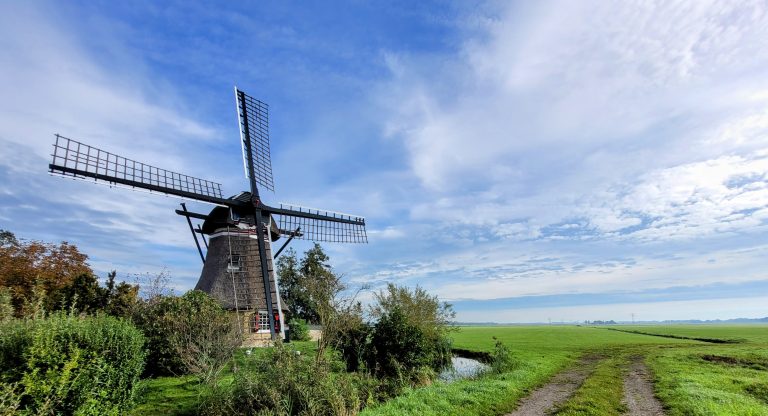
238, 266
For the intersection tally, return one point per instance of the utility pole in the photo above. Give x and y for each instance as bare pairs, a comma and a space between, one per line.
633, 318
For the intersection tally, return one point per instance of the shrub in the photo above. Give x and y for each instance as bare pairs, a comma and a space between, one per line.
352, 342
299, 329
152, 318
10, 398
203, 334
397, 348
6, 305
286, 383
75, 365
502, 359
424, 311
15, 339
191, 334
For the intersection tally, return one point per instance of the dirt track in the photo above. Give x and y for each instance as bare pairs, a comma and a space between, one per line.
638, 391
547, 397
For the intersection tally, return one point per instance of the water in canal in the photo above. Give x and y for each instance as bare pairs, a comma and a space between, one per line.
462, 368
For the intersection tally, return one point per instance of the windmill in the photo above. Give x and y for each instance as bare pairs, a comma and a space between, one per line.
238, 266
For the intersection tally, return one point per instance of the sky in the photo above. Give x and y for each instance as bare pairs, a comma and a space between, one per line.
524, 161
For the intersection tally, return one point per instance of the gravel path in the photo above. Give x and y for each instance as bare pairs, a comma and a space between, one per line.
547, 397
638, 391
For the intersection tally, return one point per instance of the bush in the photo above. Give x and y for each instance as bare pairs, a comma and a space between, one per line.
286, 383
352, 342
6, 304
299, 329
203, 334
423, 311
397, 348
191, 334
502, 359
15, 339
75, 365
152, 318
10, 398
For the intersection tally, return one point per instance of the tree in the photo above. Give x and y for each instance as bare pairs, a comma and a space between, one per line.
292, 290
121, 298
83, 295
313, 292
29, 267
307, 285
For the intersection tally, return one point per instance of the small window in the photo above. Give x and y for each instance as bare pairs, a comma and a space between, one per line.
260, 322
235, 263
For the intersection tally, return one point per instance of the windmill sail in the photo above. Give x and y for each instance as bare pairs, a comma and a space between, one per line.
78, 160
253, 118
321, 226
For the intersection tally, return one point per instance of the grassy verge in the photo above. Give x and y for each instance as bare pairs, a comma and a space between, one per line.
690, 382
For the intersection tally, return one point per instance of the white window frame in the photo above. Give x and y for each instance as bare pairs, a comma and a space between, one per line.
260, 318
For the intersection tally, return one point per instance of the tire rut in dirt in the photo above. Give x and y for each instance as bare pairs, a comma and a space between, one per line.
638, 391
546, 398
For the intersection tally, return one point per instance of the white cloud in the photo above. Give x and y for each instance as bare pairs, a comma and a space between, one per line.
618, 113
53, 83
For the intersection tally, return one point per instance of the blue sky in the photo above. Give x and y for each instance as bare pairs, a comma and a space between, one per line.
525, 161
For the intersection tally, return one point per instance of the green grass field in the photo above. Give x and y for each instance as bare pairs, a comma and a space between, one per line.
690, 377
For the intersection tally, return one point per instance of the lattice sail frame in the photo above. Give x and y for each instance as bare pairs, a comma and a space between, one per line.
75, 159
253, 119
337, 228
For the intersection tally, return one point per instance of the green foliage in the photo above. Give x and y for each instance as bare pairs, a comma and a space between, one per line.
397, 348
299, 329
304, 283
433, 317
420, 310
41, 276
153, 319
15, 339
73, 365
292, 291
10, 399
286, 383
502, 358
84, 294
191, 334
6, 305
352, 342
203, 334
